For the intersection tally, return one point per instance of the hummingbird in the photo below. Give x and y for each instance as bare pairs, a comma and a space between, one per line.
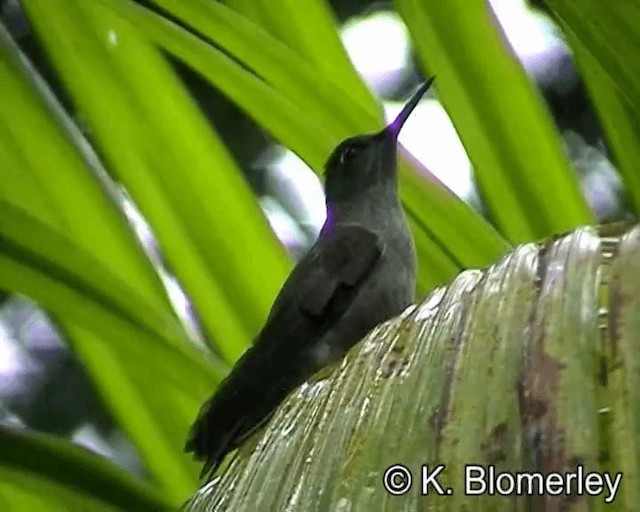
360, 272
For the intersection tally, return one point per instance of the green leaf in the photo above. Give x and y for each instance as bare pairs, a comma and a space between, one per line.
43, 169
270, 107
33, 244
173, 165
128, 351
276, 63
311, 32
460, 233
610, 32
40, 472
521, 170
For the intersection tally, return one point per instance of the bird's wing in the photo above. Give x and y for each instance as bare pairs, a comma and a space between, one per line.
316, 294
324, 281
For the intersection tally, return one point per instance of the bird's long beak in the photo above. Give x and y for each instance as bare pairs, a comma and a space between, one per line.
395, 127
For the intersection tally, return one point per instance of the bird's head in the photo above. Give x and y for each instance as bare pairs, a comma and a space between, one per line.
360, 162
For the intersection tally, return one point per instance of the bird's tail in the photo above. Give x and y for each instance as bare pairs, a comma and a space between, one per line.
243, 403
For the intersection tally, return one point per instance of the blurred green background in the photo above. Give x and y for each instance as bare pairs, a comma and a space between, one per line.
160, 173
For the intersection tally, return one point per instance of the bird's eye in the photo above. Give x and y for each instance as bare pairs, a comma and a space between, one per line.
347, 154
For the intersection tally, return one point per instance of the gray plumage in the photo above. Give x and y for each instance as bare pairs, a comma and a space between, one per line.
359, 273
